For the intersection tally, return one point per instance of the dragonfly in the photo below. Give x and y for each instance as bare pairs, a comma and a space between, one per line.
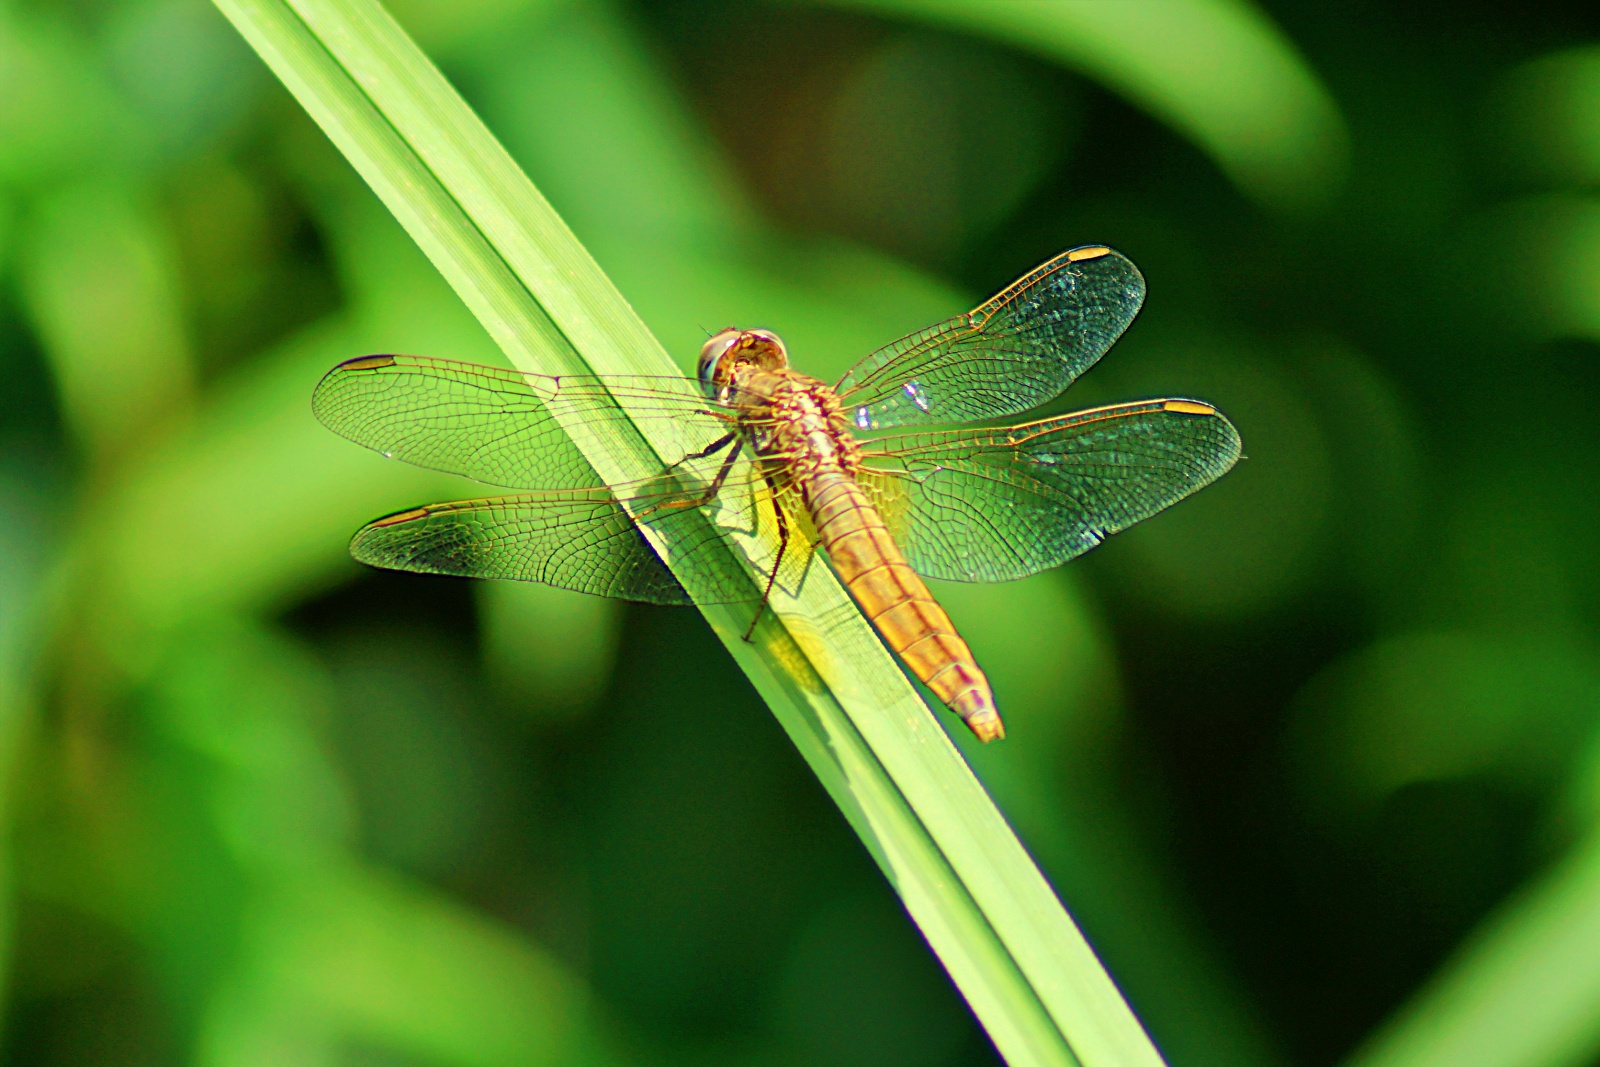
785, 458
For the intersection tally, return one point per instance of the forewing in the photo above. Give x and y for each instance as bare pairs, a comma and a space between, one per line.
1009, 355
500, 426
993, 505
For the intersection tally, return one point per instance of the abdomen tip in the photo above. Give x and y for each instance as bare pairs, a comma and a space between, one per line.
976, 708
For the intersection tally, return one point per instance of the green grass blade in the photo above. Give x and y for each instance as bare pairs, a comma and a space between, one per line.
964, 877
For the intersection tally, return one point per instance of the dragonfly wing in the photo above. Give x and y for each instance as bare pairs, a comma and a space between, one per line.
497, 425
993, 505
1009, 355
577, 539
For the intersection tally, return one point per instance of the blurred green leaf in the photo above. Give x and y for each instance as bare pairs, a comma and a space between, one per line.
378, 963
1427, 707
311, 951
897, 164
59, 116
28, 594
253, 503
250, 705
1521, 993
179, 65
101, 286
1216, 70
667, 220
1552, 289
1545, 118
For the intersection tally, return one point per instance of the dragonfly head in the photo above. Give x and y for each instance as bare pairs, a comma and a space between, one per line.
732, 349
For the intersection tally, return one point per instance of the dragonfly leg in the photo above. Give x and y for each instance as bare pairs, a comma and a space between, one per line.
783, 546
722, 474
712, 449
713, 489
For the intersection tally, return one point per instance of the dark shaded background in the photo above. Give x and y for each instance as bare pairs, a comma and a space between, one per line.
1313, 757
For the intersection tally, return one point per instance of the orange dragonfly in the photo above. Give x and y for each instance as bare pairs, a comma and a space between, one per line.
965, 504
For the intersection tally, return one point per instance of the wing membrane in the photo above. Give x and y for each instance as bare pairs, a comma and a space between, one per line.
1009, 355
499, 426
993, 505
585, 540
577, 540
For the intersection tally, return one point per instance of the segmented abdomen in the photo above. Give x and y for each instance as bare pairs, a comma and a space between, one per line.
896, 600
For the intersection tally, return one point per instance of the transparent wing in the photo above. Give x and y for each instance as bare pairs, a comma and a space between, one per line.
993, 505
1009, 355
585, 540
500, 426
582, 541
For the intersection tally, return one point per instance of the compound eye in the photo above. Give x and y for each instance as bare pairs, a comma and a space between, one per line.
711, 355
767, 349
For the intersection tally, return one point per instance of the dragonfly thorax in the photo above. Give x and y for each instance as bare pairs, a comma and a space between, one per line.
801, 426
735, 350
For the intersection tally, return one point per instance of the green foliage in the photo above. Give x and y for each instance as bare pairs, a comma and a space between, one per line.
1313, 758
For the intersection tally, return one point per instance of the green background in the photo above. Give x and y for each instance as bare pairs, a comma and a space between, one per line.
1314, 758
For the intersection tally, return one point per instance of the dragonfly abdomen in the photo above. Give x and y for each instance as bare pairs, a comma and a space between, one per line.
896, 600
